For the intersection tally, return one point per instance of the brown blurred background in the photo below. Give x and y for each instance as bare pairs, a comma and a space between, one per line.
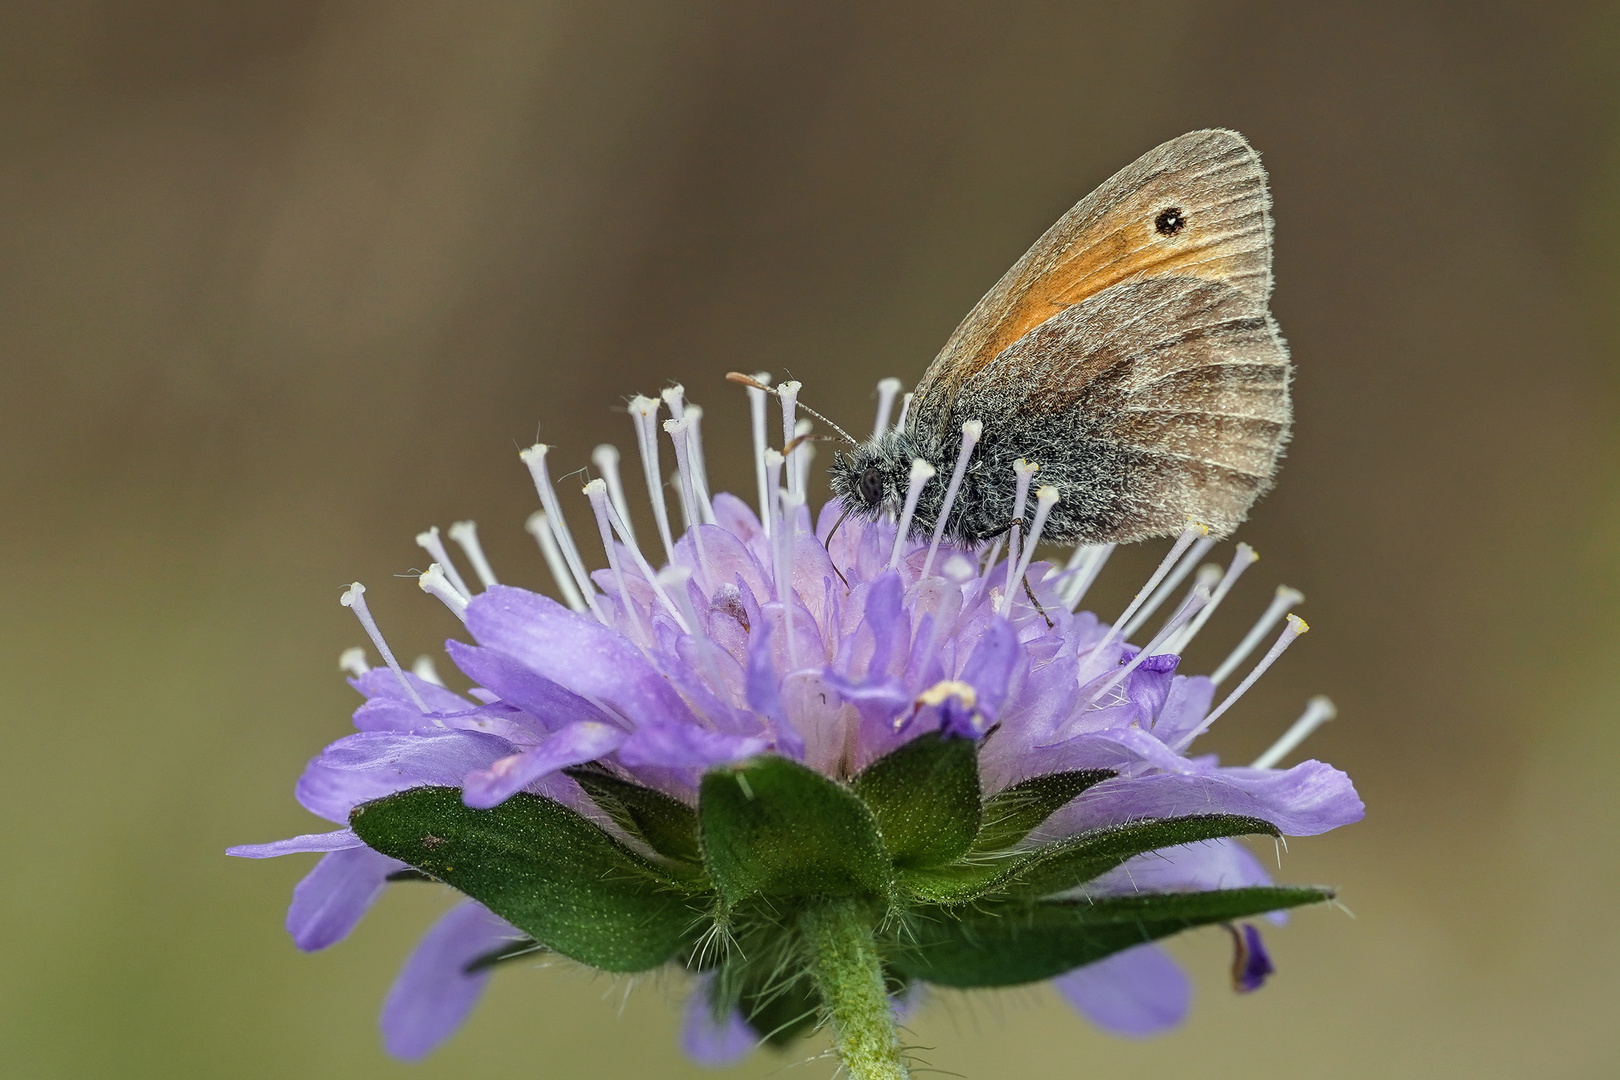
282, 284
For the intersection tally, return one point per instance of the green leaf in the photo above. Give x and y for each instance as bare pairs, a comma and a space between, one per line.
1011, 815
667, 825
957, 883
1076, 860
1013, 943
542, 868
925, 796
770, 826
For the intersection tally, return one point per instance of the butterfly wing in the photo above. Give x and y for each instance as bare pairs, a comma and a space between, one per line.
1156, 401
1196, 206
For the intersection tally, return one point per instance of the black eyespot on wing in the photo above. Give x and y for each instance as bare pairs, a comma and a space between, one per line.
872, 486
1170, 221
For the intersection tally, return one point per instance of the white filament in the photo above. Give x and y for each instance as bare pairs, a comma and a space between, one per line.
1242, 559
1197, 599
1194, 555
353, 660
644, 411
680, 435
1284, 599
803, 454
1188, 535
435, 582
1296, 626
788, 395
539, 527
618, 524
700, 472
535, 458
1045, 499
921, 473
429, 542
1318, 711
972, 431
887, 389
423, 668
756, 412
905, 407
686, 509
354, 598
465, 534
1207, 579
596, 491
791, 502
1088, 566
606, 460
773, 480
993, 555
1024, 472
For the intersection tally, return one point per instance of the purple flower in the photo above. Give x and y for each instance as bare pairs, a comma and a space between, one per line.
827, 645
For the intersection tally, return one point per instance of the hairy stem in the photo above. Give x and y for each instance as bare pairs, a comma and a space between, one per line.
844, 962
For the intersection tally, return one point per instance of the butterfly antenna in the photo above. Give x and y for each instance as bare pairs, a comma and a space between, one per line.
749, 380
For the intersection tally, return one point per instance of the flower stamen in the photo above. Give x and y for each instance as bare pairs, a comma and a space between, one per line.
644, 411
1188, 535
596, 491
539, 527
429, 542
700, 471
921, 473
1193, 556
535, 458
972, 431
756, 414
1085, 565
628, 539
353, 660
1284, 599
423, 668
1243, 558
1024, 471
465, 534
1046, 498
1195, 600
1318, 711
435, 582
887, 389
606, 459
1296, 626
354, 598
788, 394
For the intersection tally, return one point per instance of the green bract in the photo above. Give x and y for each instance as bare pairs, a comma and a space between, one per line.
945, 882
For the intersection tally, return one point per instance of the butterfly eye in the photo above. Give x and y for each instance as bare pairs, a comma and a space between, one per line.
1170, 221
872, 486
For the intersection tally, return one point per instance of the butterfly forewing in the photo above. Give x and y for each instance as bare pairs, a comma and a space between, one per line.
1195, 206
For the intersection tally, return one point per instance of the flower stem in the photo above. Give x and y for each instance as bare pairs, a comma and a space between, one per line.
844, 962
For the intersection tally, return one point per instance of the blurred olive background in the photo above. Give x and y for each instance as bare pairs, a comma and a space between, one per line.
283, 284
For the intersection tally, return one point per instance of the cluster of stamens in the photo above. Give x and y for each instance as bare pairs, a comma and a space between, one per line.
783, 478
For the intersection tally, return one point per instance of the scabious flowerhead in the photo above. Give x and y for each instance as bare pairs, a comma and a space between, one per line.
693, 763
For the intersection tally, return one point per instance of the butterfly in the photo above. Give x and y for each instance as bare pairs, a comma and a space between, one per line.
1129, 354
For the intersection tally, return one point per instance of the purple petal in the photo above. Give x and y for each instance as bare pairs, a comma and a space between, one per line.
1308, 799
373, 764
574, 651
516, 684
1250, 961
687, 745
323, 841
382, 684
433, 994
330, 900
989, 669
710, 1042
573, 745
1137, 992
884, 613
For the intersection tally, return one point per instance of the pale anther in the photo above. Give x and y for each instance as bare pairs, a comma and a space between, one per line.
887, 390
353, 661
436, 583
423, 668
429, 542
